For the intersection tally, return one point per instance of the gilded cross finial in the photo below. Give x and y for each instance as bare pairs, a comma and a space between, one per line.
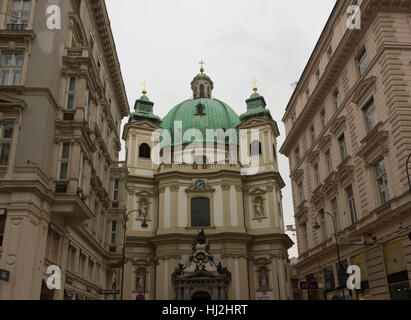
144, 84
255, 89
202, 66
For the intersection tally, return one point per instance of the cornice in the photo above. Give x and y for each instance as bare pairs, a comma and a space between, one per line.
333, 69
30, 91
102, 23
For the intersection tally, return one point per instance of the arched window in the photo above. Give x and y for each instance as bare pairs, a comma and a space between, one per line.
144, 151
200, 212
202, 92
255, 148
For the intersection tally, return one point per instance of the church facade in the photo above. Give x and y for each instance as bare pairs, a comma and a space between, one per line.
204, 224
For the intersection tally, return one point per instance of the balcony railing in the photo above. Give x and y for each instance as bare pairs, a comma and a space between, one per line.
16, 26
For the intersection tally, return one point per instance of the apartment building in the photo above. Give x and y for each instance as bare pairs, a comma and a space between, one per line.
348, 139
62, 188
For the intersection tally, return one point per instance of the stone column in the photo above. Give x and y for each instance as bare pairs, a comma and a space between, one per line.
226, 204
24, 248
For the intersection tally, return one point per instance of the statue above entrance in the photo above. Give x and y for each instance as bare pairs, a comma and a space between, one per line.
201, 271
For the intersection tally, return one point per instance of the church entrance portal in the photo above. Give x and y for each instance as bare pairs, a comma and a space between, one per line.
201, 296
201, 277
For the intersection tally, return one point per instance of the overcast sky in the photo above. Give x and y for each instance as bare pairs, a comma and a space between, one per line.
163, 41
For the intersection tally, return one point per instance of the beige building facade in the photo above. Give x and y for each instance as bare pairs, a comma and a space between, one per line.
348, 140
242, 251
62, 188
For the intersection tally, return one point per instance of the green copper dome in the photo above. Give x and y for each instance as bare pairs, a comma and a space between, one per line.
201, 114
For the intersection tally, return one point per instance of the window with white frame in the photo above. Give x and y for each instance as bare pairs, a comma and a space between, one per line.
53, 245
293, 118
382, 181
317, 175
362, 62
11, 68
71, 93
343, 147
301, 191
337, 99
330, 53
113, 237
3, 216
83, 172
64, 161
370, 115
312, 133
19, 14
116, 188
297, 155
6, 136
323, 118
351, 204
87, 105
329, 161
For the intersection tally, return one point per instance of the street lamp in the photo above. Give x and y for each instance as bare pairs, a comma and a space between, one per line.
408, 170
144, 225
316, 227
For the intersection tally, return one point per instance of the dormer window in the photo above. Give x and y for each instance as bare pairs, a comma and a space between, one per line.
200, 110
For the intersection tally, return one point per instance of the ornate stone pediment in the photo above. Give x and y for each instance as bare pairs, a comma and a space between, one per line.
324, 142
144, 194
338, 125
330, 185
297, 175
256, 191
374, 144
345, 171
363, 89
313, 156
318, 195
10, 101
301, 210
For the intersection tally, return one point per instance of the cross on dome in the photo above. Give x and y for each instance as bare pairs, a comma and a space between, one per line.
255, 89
144, 84
202, 63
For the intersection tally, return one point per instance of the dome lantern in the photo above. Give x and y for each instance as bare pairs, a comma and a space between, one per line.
202, 85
